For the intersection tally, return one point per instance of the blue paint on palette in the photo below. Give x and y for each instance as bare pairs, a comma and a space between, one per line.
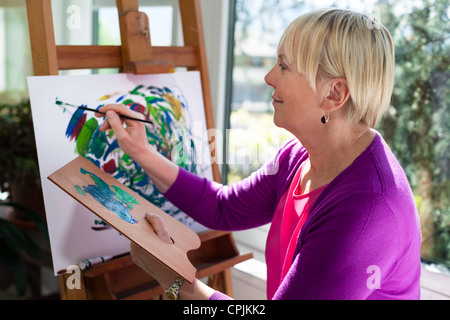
117, 201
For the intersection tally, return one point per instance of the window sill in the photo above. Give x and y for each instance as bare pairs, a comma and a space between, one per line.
249, 280
434, 284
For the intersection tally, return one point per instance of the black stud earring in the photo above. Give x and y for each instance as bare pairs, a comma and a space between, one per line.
324, 119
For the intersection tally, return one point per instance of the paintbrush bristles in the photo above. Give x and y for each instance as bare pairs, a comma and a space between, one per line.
61, 103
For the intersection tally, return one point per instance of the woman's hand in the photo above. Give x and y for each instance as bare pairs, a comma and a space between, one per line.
132, 139
165, 276
153, 267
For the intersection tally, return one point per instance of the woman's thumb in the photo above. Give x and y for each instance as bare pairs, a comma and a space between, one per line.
158, 226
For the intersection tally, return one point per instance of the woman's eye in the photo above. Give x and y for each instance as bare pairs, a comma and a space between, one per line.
282, 66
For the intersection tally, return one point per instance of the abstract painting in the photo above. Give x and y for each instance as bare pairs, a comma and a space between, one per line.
173, 104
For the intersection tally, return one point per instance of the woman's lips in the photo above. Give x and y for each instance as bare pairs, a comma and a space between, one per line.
276, 100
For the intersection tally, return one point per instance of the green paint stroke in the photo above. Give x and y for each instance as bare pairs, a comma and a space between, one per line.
123, 196
80, 190
85, 137
98, 144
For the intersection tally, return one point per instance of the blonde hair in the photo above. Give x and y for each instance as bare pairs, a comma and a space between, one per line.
335, 43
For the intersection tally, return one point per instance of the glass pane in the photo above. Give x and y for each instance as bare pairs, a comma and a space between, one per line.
253, 138
2, 52
15, 52
161, 25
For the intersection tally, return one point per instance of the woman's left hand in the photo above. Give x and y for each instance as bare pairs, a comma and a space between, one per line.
165, 276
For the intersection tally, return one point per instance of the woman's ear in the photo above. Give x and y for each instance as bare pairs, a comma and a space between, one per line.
338, 94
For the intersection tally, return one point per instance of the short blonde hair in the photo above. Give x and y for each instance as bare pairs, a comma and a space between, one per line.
335, 43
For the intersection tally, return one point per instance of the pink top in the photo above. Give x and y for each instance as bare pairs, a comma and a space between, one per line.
290, 215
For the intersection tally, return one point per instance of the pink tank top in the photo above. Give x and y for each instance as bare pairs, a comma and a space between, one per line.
290, 215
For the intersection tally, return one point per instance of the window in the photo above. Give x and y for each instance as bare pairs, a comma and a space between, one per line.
161, 18
416, 126
15, 51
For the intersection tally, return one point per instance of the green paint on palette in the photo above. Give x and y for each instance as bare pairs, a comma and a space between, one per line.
125, 197
102, 192
80, 190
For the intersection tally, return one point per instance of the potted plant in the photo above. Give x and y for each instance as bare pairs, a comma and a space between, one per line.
19, 177
19, 171
16, 247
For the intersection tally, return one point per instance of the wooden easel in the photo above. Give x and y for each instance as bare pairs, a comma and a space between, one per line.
120, 278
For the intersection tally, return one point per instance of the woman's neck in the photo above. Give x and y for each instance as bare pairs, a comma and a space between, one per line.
335, 151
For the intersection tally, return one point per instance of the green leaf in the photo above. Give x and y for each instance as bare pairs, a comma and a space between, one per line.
32, 215
13, 236
17, 240
12, 261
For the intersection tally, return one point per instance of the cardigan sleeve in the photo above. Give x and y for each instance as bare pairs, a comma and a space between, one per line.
247, 204
236, 207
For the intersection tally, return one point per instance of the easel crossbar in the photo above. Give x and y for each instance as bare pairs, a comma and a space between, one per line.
97, 57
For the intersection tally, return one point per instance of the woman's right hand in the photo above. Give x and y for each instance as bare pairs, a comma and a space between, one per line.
132, 138
133, 141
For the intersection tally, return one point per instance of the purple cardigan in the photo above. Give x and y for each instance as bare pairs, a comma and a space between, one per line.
361, 239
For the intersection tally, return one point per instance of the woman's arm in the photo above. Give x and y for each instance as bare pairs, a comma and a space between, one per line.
247, 204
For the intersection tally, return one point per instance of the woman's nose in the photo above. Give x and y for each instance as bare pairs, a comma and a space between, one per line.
270, 79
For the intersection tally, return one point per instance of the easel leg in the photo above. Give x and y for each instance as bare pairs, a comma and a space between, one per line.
222, 282
76, 293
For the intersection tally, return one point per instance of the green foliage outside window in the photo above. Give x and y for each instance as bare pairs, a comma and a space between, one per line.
417, 126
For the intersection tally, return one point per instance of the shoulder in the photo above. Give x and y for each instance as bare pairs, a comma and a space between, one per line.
375, 171
372, 197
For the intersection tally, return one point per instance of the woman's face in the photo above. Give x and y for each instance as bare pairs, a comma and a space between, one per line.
297, 107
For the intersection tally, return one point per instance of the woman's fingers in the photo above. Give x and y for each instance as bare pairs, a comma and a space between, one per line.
158, 226
119, 109
113, 111
132, 138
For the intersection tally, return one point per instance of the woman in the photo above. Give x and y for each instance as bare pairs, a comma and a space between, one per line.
344, 222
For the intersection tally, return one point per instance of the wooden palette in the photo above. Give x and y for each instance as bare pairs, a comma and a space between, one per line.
123, 209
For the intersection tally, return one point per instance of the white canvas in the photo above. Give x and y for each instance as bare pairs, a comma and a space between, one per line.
71, 226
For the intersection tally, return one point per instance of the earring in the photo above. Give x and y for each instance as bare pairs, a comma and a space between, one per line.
325, 119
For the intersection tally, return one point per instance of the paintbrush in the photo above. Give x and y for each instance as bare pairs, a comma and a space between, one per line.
61, 103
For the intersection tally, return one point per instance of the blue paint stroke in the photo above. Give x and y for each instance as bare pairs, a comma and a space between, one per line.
76, 123
102, 192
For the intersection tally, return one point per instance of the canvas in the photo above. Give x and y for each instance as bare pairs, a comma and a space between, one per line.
174, 105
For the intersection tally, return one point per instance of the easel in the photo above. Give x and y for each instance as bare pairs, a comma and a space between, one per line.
120, 278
